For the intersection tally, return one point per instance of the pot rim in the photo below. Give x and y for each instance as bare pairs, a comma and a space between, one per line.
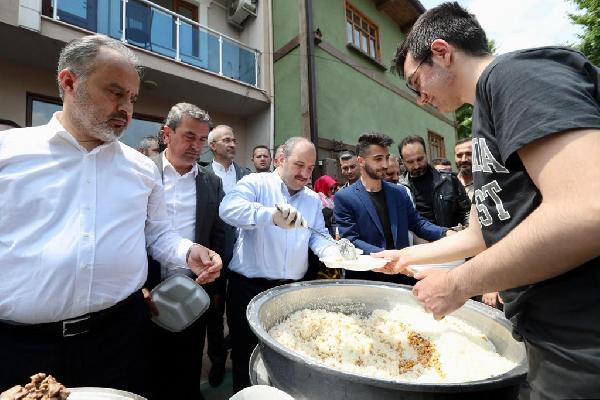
252, 314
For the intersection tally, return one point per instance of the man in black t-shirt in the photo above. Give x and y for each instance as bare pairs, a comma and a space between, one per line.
536, 118
376, 215
439, 196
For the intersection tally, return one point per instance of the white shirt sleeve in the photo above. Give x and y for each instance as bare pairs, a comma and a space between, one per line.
164, 244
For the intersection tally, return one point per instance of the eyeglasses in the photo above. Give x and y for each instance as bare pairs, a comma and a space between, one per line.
229, 140
409, 84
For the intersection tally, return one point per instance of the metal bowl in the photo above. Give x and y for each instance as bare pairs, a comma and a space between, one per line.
306, 379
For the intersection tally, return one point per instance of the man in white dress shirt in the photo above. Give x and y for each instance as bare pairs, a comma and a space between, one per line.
268, 253
222, 143
80, 213
192, 197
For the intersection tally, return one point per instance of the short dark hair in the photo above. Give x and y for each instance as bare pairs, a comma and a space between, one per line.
448, 21
260, 146
463, 140
410, 140
440, 161
372, 138
9, 122
346, 155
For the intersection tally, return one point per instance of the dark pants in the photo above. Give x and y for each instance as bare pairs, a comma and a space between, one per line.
239, 293
215, 322
555, 375
110, 354
177, 361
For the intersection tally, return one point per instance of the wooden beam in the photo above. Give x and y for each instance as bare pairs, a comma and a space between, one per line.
380, 3
286, 49
304, 96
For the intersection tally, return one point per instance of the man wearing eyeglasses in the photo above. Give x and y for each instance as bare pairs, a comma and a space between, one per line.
222, 143
536, 116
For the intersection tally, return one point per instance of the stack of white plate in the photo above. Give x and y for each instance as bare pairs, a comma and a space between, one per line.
94, 393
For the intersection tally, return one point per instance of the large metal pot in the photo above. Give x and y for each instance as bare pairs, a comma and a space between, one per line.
305, 379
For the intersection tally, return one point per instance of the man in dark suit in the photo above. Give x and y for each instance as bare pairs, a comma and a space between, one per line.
376, 215
192, 197
222, 143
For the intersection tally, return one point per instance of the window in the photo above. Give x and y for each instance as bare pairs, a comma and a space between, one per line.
437, 149
40, 109
361, 32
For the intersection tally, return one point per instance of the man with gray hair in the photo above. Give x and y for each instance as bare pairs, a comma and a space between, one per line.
192, 197
84, 210
222, 143
149, 146
266, 207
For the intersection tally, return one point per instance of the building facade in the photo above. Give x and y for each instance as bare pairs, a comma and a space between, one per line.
212, 53
354, 90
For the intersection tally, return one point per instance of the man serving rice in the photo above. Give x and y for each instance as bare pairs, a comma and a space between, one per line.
536, 113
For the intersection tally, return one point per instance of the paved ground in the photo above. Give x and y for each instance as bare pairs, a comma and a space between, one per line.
225, 390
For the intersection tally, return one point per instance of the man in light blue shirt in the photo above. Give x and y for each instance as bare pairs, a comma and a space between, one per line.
268, 251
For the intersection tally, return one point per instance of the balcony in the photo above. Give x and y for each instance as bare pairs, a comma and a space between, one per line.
161, 31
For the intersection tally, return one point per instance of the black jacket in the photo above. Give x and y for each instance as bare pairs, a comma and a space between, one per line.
210, 230
451, 204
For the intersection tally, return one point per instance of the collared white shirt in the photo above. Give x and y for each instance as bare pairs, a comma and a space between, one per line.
75, 225
264, 250
228, 176
180, 199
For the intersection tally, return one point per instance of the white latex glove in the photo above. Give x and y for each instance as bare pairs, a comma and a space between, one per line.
287, 217
333, 251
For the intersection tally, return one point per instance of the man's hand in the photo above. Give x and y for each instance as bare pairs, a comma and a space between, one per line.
205, 263
287, 217
397, 264
491, 299
149, 302
439, 292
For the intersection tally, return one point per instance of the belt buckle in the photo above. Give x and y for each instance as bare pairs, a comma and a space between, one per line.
71, 327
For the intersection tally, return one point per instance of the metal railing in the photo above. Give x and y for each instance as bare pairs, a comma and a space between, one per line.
151, 27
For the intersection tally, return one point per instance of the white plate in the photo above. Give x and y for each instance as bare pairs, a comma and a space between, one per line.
448, 265
362, 263
94, 393
261, 392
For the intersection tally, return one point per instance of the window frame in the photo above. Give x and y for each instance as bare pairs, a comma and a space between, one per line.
359, 27
437, 145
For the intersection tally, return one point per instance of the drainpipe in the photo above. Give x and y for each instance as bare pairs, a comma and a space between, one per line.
312, 79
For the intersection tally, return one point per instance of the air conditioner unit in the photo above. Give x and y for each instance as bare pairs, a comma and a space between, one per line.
240, 10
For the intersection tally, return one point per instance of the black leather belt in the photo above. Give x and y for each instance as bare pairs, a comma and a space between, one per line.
261, 281
78, 325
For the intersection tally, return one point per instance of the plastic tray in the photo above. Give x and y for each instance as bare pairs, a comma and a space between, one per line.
180, 301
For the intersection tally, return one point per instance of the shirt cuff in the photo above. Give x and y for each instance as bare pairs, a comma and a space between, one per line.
264, 216
182, 249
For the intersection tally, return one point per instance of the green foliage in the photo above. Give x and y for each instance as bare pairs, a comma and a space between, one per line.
590, 21
464, 119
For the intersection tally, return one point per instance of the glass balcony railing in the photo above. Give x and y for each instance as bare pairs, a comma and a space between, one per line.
157, 29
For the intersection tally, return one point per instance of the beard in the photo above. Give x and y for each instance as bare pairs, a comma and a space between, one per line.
465, 169
418, 172
375, 173
87, 118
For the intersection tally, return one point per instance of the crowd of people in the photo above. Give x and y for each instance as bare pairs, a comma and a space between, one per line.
89, 225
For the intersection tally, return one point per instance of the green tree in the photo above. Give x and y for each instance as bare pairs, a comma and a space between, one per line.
464, 114
590, 21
